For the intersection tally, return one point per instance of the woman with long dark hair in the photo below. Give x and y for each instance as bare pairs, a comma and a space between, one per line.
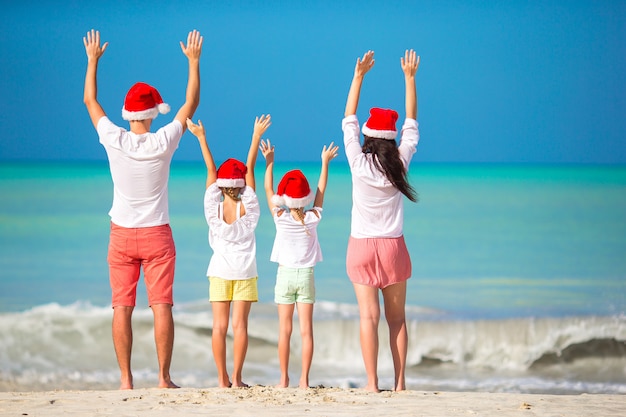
377, 257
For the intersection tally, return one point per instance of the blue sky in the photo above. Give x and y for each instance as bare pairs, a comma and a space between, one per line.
512, 81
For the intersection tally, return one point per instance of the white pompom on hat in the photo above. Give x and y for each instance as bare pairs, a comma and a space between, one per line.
143, 102
293, 190
231, 174
381, 124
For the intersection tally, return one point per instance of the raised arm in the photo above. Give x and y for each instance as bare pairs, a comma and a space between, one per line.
268, 153
410, 63
328, 154
261, 124
90, 96
199, 132
360, 69
192, 51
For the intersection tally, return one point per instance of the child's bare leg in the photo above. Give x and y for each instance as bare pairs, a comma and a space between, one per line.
221, 313
395, 299
305, 314
241, 310
285, 320
369, 312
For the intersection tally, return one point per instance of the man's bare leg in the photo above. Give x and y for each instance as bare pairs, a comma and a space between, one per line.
164, 339
123, 343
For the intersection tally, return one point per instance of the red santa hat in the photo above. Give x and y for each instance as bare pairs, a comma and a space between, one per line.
143, 102
381, 124
293, 190
231, 174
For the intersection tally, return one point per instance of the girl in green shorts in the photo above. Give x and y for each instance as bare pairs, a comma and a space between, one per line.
296, 250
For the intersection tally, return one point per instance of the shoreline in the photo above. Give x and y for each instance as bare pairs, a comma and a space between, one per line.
264, 401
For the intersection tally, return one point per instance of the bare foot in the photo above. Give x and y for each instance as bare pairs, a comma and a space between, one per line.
284, 382
304, 383
126, 384
400, 385
372, 388
240, 384
226, 384
167, 384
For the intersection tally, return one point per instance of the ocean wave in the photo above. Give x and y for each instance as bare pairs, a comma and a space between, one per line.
70, 345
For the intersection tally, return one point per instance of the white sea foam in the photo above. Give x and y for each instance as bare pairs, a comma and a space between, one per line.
70, 346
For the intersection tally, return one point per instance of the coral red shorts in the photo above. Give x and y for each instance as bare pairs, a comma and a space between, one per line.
378, 262
130, 249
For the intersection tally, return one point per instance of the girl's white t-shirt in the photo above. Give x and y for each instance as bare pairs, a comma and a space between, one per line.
234, 245
293, 246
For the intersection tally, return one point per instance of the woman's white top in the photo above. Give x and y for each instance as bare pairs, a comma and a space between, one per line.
377, 206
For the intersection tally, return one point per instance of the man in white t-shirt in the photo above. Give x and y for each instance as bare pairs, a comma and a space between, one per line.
140, 236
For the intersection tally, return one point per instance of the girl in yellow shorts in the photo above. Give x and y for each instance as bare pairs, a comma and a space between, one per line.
232, 212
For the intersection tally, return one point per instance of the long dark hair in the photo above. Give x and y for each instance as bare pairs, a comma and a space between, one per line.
387, 161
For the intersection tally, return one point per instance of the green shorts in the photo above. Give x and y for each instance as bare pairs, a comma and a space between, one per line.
294, 285
233, 289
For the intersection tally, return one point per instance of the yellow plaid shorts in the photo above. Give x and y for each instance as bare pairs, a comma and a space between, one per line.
233, 289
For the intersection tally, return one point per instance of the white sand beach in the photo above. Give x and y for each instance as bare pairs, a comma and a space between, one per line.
261, 401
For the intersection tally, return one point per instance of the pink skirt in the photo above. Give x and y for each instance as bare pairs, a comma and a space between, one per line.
378, 262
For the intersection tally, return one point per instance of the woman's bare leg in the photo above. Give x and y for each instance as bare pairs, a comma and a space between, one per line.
369, 312
394, 297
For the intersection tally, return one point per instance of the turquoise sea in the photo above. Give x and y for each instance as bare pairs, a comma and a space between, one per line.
519, 281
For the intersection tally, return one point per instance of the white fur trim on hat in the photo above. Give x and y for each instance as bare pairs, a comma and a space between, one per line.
289, 202
139, 115
152, 113
230, 182
379, 134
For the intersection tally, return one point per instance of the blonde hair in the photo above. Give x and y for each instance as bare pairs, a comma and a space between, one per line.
232, 192
300, 214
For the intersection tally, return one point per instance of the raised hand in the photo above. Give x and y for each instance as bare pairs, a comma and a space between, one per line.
409, 63
329, 153
363, 65
196, 129
267, 150
193, 49
261, 124
92, 45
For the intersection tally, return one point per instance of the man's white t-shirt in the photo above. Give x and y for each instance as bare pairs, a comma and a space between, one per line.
140, 168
